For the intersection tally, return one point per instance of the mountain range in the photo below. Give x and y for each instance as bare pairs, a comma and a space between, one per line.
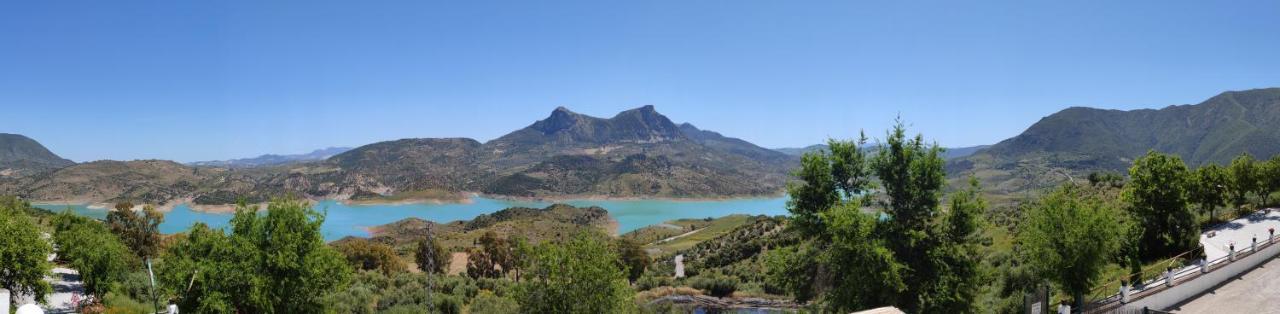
20, 155
636, 153
272, 159
641, 153
1078, 140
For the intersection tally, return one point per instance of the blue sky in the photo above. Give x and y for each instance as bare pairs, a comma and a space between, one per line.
223, 79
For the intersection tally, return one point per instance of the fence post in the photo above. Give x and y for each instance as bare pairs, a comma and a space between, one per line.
1231, 254
4, 301
1124, 292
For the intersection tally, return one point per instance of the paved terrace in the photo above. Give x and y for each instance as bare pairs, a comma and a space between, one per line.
1241, 232
1241, 293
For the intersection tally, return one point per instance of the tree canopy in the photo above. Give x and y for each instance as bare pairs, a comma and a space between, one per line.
581, 275
140, 230
1069, 237
1158, 196
272, 263
23, 252
920, 257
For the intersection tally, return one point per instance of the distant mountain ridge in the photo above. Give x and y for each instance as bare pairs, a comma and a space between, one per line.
1079, 140
21, 155
272, 159
636, 153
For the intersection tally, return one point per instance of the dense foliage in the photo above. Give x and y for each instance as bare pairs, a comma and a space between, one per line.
89, 247
920, 257
430, 257
1157, 194
1069, 237
22, 251
579, 276
633, 257
363, 254
272, 263
140, 231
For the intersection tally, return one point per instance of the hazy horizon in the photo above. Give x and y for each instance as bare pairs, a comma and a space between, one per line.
214, 81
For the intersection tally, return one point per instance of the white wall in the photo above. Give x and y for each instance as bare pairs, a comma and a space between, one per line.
1187, 290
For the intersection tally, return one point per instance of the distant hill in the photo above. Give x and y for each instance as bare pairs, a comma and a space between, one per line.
273, 160
950, 153
141, 181
21, 156
555, 222
638, 152
1078, 140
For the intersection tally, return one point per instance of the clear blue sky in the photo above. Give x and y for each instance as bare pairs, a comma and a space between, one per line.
223, 79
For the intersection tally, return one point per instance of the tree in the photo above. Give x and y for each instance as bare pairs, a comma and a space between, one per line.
140, 231
1157, 197
90, 248
521, 254
23, 252
1269, 179
581, 275
912, 177
491, 259
1069, 238
1208, 189
363, 254
272, 263
1244, 178
959, 257
430, 257
633, 257
922, 259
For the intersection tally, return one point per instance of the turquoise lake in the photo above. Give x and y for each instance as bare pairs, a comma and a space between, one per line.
352, 220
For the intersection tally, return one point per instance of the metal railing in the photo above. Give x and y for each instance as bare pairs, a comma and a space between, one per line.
1111, 302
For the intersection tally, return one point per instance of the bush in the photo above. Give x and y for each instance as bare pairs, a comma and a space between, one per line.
487, 302
715, 284
649, 282
119, 303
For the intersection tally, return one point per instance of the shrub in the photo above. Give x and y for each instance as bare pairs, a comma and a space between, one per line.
119, 303
487, 302
715, 284
649, 282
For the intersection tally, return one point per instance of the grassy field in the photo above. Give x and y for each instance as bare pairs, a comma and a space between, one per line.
691, 232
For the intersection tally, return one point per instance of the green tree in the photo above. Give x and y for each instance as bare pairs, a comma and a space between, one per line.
959, 257
23, 252
492, 258
272, 263
922, 258
521, 254
363, 254
90, 248
1069, 238
1269, 179
1208, 189
1157, 197
912, 177
579, 276
633, 257
430, 257
1244, 178
140, 231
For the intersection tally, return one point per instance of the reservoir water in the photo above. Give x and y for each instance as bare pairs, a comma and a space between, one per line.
352, 220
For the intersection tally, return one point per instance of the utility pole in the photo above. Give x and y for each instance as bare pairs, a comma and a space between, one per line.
154, 300
431, 265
